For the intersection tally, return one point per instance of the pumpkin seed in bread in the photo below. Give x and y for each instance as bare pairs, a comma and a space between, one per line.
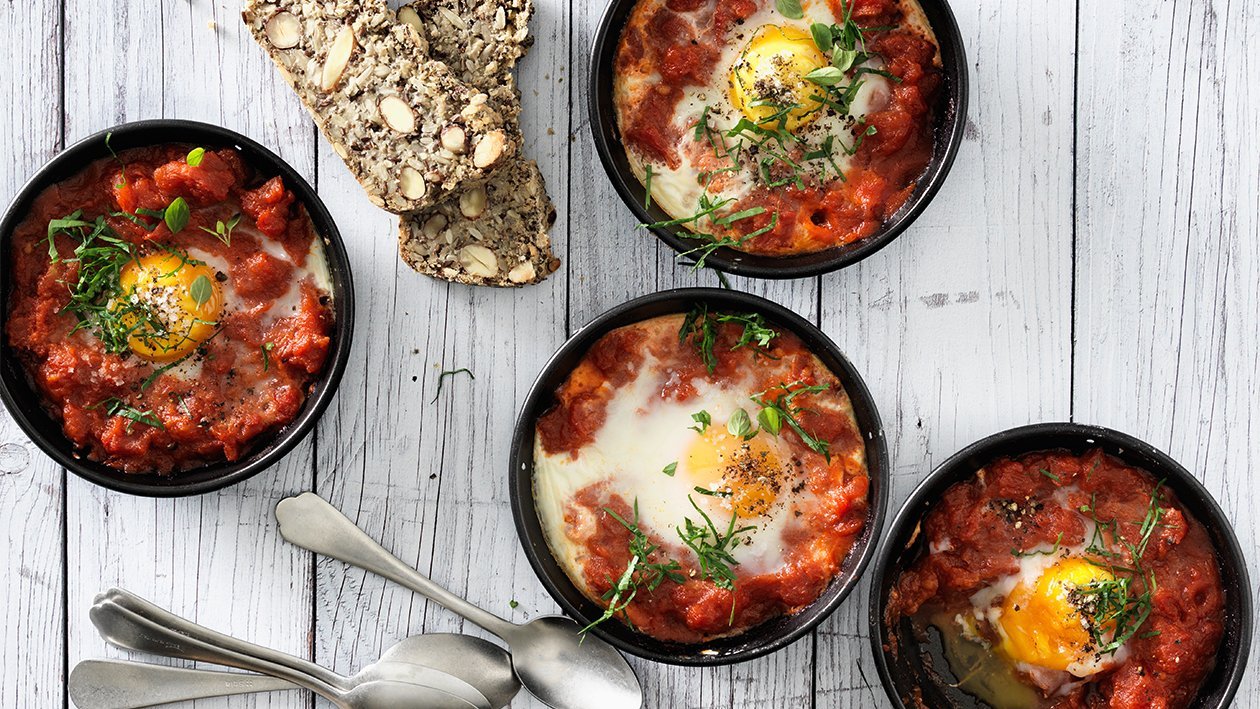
409, 130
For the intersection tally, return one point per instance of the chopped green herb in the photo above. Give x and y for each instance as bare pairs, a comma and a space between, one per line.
712, 549
770, 420
450, 373
641, 572
671, 469
703, 421
1052, 476
109, 137
266, 354
1057, 545
712, 493
195, 157
117, 407
787, 412
826, 76
701, 327
647, 189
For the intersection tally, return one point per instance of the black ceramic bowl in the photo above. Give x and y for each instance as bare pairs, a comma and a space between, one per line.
949, 122
24, 402
763, 639
905, 671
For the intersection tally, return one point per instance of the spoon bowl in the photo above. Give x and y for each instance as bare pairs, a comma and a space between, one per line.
132, 623
555, 662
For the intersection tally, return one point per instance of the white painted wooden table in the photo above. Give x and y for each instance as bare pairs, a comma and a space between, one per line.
1095, 256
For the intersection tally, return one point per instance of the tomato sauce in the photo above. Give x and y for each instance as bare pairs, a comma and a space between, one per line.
972, 540
247, 381
680, 41
815, 543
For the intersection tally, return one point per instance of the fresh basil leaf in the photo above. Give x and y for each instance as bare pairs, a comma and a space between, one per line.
844, 59
177, 215
826, 76
822, 36
671, 469
195, 157
790, 9
703, 419
770, 420
201, 290
740, 425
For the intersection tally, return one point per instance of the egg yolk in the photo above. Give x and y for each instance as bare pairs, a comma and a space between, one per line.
747, 469
1042, 625
170, 305
769, 76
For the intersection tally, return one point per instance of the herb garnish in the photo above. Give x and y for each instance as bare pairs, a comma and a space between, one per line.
223, 231
790, 9
201, 290
740, 425
712, 548
702, 328
1046, 472
117, 407
640, 572
195, 157
786, 412
1058, 543
177, 215
670, 469
266, 350
703, 421
1115, 605
450, 373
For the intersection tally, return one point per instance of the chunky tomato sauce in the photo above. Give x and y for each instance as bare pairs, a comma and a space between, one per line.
246, 381
818, 535
679, 44
1017, 504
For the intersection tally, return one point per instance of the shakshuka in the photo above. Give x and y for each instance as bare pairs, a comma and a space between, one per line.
777, 128
1064, 581
700, 475
172, 306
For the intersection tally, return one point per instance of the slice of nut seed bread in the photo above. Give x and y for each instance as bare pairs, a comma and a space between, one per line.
502, 230
409, 130
492, 235
481, 40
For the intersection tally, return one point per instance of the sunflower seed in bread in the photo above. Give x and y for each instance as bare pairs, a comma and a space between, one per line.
380, 100
494, 235
481, 40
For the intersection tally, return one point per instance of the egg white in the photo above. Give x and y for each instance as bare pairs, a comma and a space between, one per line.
641, 435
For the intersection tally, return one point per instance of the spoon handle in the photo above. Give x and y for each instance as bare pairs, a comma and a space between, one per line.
116, 684
308, 521
128, 629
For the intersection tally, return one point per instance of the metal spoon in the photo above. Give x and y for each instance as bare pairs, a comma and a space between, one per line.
393, 681
118, 684
555, 663
480, 663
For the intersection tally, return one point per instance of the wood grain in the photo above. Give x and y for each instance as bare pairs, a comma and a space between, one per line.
32, 505
1168, 267
1119, 206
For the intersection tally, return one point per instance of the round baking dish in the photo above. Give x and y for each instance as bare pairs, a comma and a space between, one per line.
949, 123
905, 672
24, 402
769, 636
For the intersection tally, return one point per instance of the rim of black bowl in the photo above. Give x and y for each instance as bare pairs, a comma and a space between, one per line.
906, 672
949, 128
771, 635
24, 402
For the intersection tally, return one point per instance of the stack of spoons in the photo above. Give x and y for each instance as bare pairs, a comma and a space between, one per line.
549, 656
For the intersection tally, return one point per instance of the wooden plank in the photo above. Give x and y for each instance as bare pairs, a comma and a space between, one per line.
1168, 333
32, 617
607, 257
217, 558
961, 327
